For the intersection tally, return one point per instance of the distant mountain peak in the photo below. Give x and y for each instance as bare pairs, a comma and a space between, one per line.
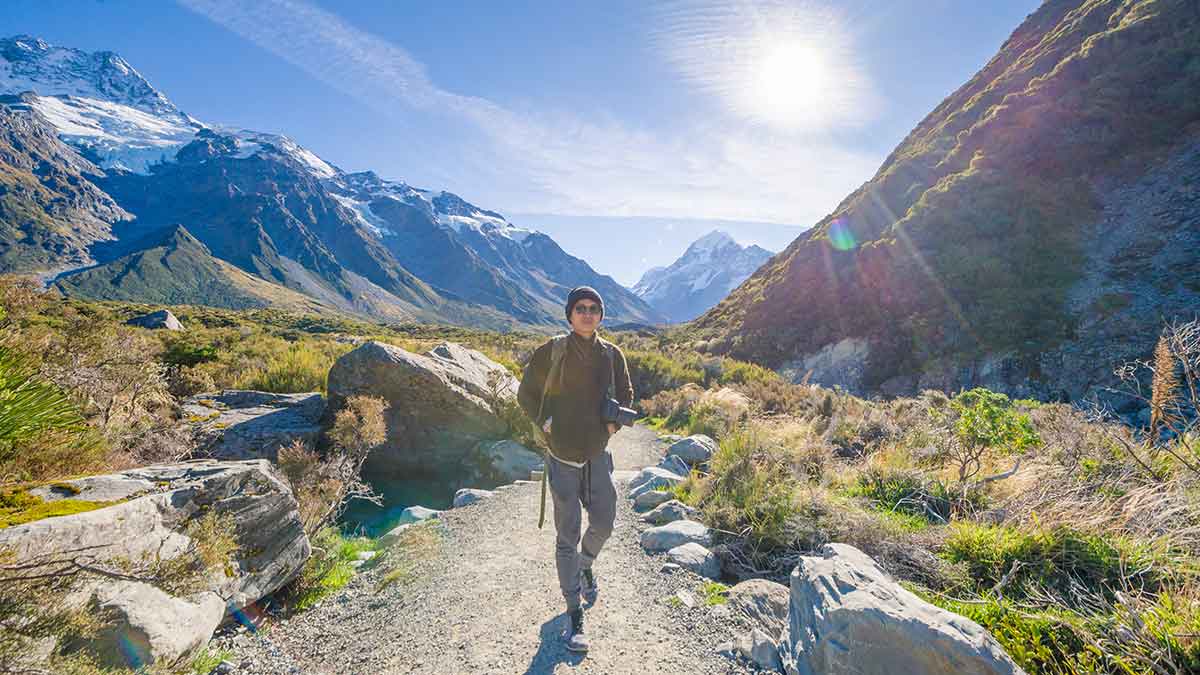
31, 63
711, 266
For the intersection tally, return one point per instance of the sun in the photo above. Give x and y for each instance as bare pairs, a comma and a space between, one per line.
787, 82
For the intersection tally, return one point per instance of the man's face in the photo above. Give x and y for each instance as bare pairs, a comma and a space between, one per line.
585, 317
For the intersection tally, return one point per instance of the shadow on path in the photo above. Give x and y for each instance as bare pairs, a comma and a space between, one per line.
552, 649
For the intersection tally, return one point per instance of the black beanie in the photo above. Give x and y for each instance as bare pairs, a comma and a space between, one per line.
580, 293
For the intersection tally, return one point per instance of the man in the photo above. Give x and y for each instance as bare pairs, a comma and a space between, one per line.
567, 403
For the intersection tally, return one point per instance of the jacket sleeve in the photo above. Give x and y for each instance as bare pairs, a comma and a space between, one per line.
622, 385
533, 381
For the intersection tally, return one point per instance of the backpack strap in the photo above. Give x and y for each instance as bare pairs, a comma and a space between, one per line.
558, 349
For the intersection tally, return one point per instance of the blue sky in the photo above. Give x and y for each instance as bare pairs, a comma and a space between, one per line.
643, 122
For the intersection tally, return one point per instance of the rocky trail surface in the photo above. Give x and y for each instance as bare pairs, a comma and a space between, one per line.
487, 601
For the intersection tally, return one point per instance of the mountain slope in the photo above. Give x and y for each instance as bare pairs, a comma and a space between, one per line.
173, 267
49, 212
273, 209
956, 263
711, 266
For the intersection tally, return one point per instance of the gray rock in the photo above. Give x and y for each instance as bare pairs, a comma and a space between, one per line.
842, 598
503, 462
163, 318
764, 602
467, 496
238, 424
762, 650
652, 478
152, 523
686, 598
416, 514
696, 558
670, 568
393, 535
675, 465
146, 625
651, 499
669, 512
109, 488
223, 668
695, 449
440, 403
667, 537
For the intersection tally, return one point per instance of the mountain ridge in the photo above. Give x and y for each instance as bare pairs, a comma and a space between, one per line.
709, 268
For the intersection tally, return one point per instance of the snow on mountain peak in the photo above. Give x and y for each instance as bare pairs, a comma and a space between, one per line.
710, 242
31, 64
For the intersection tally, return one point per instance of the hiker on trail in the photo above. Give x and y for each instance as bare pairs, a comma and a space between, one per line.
568, 389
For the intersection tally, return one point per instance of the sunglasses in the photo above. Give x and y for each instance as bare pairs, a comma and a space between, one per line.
588, 309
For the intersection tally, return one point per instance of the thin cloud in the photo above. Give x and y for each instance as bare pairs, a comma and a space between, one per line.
550, 161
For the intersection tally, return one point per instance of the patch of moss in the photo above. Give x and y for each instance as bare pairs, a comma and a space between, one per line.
18, 507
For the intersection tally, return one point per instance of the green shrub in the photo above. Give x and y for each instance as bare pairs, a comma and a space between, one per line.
300, 367
328, 569
750, 490
987, 419
743, 372
710, 419
1060, 561
905, 492
653, 372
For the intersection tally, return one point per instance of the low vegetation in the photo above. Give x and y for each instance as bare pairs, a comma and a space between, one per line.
1070, 536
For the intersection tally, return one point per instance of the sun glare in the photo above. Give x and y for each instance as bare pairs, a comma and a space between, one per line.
790, 79
791, 65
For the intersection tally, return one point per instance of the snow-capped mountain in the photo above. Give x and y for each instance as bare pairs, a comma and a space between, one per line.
711, 266
263, 203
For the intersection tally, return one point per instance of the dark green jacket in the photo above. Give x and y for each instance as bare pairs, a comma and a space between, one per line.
578, 433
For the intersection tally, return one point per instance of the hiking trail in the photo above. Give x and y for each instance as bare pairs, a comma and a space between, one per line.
487, 601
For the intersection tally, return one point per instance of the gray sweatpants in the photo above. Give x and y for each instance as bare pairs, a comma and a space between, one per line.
590, 487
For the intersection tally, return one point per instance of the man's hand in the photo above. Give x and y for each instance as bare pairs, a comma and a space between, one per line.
546, 425
613, 427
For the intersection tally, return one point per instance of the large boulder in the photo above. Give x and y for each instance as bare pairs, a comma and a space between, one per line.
846, 615
146, 625
650, 499
468, 496
667, 537
675, 465
237, 424
146, 516
163, 318
440, 402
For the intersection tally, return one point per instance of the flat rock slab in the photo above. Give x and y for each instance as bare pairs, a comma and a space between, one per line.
243, 424
669, 512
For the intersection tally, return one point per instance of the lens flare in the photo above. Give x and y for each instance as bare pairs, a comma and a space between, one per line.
840, 236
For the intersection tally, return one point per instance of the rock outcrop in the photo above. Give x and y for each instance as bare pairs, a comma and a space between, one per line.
846, 615
163, 318
236, 424
440, 403
763, 602
150, 521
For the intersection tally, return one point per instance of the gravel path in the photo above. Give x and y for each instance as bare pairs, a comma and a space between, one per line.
487, 601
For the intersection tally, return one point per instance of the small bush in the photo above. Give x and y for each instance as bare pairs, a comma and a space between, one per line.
751, 490
653, 372
1057, 562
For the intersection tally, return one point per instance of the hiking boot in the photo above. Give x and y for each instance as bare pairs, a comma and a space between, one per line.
576, 640
587, 585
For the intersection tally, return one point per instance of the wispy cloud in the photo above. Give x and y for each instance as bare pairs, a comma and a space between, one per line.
792, 65
554, 161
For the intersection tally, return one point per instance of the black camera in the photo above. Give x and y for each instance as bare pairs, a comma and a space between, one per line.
615, 412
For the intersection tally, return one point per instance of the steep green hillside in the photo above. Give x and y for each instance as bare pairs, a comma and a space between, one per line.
178, 269
968, 242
